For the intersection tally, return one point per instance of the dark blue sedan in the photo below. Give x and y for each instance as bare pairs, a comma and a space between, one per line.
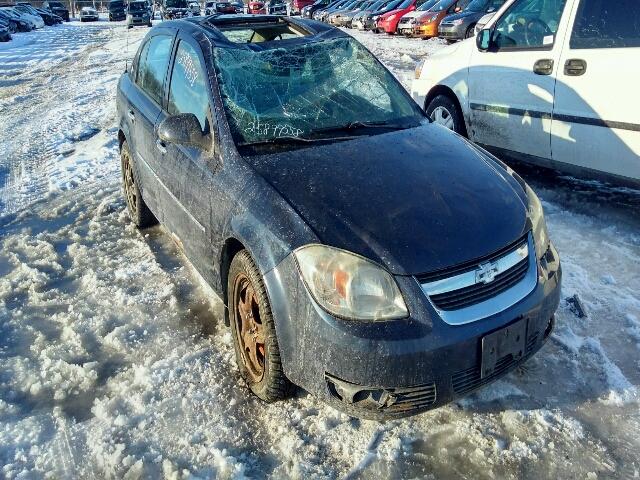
373, 258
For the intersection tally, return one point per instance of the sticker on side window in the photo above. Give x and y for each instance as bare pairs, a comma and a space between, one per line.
547, 40
189, 67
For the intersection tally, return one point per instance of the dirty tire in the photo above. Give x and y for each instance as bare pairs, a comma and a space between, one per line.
139, 213
443, 110
260, 365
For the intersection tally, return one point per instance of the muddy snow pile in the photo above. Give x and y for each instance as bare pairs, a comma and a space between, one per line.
114, 361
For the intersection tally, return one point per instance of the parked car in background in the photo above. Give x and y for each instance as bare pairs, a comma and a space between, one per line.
346, 18
340, 16
25, 21
194, 8
28, 13
368, 20
323, 13
238, 5
405, 25
14, 21
257, 7
219, 7
298, 5
89, 14
172, 9
389, 21
8, 24
538, 86
276, 7
308, 11
117, 10
138, 13
427, 23
461, 25
276, 141
47, 17
57, 8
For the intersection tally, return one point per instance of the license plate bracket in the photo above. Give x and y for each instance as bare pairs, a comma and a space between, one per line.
510, 340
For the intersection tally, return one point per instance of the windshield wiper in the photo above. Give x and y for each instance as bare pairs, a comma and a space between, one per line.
358, 125
284, 140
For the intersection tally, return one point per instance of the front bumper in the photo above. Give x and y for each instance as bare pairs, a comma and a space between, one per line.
452, 32
139, 21
397, 368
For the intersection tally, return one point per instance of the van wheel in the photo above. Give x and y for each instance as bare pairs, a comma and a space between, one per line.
254, 332
444, 111
139, 213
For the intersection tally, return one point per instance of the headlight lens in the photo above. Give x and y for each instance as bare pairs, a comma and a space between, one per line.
540, 234
457, 22
349, 286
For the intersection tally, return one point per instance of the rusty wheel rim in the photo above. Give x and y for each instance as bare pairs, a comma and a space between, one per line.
129, 183
249, 328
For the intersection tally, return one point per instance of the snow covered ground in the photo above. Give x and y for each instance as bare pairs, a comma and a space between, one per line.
114, 361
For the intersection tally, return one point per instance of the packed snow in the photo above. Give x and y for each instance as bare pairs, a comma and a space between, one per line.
115, 362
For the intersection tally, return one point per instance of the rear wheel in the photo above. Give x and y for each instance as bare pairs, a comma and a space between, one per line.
444, 111
140, 214
254, 333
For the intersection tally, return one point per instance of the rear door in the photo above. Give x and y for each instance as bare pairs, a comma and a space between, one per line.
511, 86
189, 173
596, 119
145, 99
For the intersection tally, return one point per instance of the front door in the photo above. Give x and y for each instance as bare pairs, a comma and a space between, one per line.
189, 173
596, 123
511, 87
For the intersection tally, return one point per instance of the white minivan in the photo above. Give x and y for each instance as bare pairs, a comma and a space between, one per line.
552, 82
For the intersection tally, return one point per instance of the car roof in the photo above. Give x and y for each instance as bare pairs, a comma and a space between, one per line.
211, 26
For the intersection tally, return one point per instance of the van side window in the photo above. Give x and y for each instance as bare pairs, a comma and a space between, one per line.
529, 24
152, 66
188, 90
606, 24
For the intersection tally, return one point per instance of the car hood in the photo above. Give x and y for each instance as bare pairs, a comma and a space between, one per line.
410, 15
415, 200
392, 12
464, 15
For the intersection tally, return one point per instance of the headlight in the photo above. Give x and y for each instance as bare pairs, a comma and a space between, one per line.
457, 22
540, 234
348, 285
129, 17
419, 67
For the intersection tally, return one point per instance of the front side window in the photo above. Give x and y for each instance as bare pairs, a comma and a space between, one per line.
152, 66
606, 24
307, 89
529, 24
188, 89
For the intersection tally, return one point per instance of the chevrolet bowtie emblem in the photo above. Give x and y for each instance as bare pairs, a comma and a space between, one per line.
486, 272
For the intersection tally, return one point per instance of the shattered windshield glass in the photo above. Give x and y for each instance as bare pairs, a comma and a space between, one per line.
308, 89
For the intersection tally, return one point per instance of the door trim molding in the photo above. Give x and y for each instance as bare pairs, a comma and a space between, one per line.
596, 122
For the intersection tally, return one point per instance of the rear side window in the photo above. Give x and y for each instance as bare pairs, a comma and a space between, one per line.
152, 66
188, 90
606, 24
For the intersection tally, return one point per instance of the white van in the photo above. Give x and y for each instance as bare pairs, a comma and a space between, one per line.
552, 82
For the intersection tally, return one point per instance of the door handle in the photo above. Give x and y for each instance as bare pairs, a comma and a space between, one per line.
543, 66
131, 115
574, 67
160, 146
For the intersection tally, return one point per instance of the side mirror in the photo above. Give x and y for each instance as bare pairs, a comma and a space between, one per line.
483, 39
491, 9
184, 129
457, 10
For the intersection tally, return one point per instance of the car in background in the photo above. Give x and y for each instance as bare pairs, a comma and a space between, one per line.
368, 19
47, 17
238, 5
257, 7
388, 22
346, 18
461, 25
173, 9
15, 23
340, 16
257, 157
323, 13
27, 14
541, 85
427, 23
138, 13
57, 8
194, 8
219, 7
89, 14
405, 25
9, 24
276, 7
117, 10
308, 11
298, 5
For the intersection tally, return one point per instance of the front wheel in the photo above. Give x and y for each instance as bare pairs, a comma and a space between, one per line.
140, 214
253, 330
444, 111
